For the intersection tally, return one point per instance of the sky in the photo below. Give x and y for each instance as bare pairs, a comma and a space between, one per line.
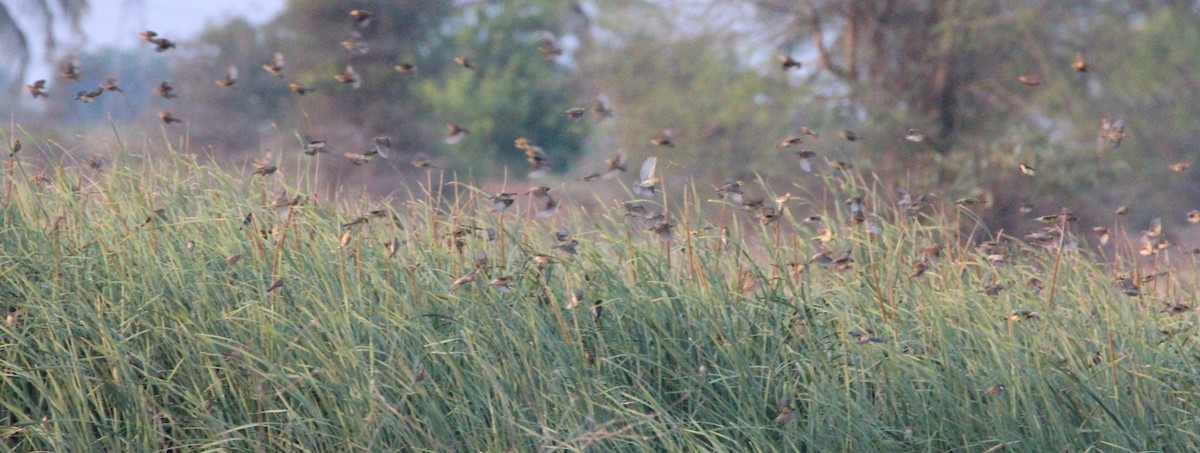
116, 23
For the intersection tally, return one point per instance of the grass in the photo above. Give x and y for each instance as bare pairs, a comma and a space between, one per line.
134, 330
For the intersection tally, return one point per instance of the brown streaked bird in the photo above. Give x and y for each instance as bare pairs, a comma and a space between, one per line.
992, 289
263, 167
919, 267
356, 45
848, 135
162, 44
732, 190
650, 181
663, 229
1180, 167
806, 159
867, 337
1026, 170
314, 147
362, 18
787, 62
405, 68
37, 89
110, 84
275, 67
88, 96
664, 139
601, 108
501, 284
299, 89
549, 46
165, 89
357, 159
71, 69
789, 141
1128, 287
501, 201
1111, 131
1078, 64
567, 247
1035, 285
575, 113
277, 284
455, 133
148, 35
1029, 80
616, 164
349, 77
1102, 234
542, 194
422, 161
233, 259
466, 278
464, 62
231, 76
14, 147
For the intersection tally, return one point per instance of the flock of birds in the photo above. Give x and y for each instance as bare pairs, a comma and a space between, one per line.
649, 182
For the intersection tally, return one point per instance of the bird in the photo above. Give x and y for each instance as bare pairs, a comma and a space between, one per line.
1029, 80
71, 69
601, 108
549, 47
37, 88
501, 201
89, 96
1026, 169
650, 182
848, 135
405, 68
575, 113
165, 89
166, 117
548, 204
663, 139
361, 18
464, 62
263, 167
1078, 64
789, 141
349, 77
616, 165
914, 136
806, 159
231, 76
299, 89
275, 67
110, 84
455, 133
314, 147
787, 62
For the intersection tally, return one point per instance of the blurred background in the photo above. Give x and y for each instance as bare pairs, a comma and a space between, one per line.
990, 85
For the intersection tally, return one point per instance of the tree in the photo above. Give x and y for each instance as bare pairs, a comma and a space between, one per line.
14, 37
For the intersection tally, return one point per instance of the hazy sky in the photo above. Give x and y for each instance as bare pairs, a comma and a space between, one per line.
117, 22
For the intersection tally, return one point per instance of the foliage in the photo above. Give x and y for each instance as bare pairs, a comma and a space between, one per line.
142, 317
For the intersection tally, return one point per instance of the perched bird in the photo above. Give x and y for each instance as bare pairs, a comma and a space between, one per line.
649, 183
455, 133
165, 89
464, 62
275, 67
89, 96
349, 77
37, 89
787, 62
277, 284
1078, 64
663, 139
110, 84
166, 117
231, 76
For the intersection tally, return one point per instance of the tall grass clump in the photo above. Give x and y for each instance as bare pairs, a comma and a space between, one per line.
155, 303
